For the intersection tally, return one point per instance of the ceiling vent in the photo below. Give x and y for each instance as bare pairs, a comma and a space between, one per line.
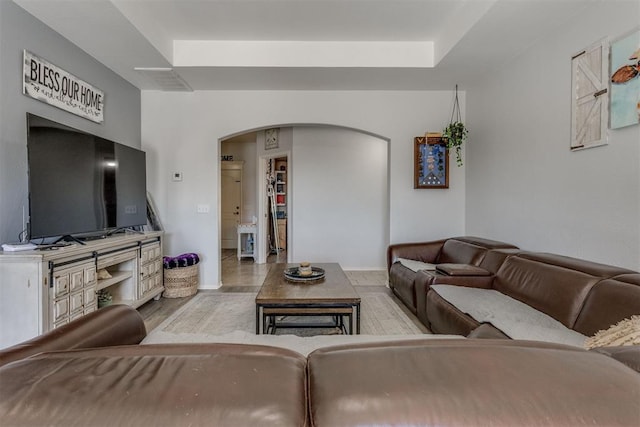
165, 79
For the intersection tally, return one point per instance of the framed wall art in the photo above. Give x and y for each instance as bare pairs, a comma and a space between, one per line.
625, 80
589, 96
271, 139
431, 162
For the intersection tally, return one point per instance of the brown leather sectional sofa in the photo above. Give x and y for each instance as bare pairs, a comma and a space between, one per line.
581, 296
92, 372
457, 250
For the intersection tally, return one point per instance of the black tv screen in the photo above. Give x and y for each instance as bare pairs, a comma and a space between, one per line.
80, 183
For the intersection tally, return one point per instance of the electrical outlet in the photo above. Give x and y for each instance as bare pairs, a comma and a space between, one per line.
202, 209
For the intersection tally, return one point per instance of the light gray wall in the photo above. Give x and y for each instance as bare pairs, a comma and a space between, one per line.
18, 31
340, 197
524, 185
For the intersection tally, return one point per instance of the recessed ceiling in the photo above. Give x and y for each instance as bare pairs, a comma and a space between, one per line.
303, 44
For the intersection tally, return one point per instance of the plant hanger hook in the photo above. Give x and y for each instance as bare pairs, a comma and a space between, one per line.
456, 109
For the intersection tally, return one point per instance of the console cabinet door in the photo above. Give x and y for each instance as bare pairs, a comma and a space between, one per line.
61, 283
150, 270
70, 291
90, 299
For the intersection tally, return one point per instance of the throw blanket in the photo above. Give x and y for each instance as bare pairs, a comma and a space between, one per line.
184, 260
514, 318
414, 265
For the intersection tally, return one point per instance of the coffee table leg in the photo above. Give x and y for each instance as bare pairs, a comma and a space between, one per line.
358, 319
257, 319
272, 324
265, 323
350, 322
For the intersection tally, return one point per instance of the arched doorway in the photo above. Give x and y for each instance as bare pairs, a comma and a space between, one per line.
338, 190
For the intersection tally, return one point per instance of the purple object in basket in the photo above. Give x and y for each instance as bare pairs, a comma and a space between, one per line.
184, 260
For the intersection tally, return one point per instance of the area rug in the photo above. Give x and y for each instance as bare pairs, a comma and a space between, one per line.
230, 318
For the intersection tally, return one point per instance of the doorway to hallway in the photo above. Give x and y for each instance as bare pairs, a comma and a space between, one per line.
277, 200
338, 207
231, 202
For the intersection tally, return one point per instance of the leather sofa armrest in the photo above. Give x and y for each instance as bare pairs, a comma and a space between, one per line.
487, 331
628, 354
110, 326
419, 251
424, 279
461, 270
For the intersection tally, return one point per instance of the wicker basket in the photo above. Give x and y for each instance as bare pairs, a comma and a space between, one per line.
181, 281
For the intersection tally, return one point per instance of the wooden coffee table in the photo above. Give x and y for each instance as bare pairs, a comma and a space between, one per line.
332, 296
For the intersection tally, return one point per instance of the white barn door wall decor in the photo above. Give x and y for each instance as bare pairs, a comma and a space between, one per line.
589, 96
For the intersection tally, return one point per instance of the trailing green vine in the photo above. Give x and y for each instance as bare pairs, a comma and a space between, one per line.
456, 133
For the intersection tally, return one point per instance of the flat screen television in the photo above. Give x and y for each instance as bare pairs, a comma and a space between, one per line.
81, 184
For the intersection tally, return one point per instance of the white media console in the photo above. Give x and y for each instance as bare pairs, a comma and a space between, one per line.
43, 289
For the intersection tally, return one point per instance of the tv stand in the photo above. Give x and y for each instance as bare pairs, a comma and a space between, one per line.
43, 290
69, 238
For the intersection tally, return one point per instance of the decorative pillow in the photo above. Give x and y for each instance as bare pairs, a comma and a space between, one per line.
625, 332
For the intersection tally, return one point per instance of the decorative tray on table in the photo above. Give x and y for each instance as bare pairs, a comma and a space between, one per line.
293, 274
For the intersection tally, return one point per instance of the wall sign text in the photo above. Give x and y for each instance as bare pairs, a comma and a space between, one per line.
51, 84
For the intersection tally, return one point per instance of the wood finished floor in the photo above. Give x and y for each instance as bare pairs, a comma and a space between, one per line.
247, 276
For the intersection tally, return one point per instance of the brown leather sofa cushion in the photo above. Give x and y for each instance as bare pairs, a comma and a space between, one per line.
554, 289
425, 279
117, 324
419, 251
577, 264
402, 281
608, 302
444, 318
468, 249
157, 385
458, 252
629, 355
470, 382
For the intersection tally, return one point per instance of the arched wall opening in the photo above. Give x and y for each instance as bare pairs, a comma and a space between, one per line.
337, 189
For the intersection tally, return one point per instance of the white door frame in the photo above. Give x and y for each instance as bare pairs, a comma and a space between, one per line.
263, 213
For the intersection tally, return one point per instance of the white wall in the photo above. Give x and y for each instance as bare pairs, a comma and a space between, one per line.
523, 184
180, 131
19, 30
340, 198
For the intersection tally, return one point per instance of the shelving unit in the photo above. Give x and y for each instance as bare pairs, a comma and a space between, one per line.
281, 194
122, 267
281, 201
118, 277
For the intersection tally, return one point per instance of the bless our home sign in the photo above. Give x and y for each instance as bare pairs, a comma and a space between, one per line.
53, 85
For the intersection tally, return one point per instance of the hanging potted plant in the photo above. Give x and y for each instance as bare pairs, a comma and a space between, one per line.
456, 133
